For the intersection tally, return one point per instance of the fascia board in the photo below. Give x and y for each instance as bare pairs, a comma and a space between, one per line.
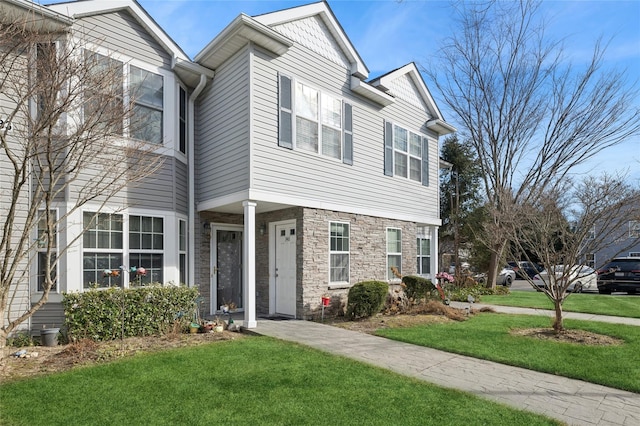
365, 89
243, 28
440, 126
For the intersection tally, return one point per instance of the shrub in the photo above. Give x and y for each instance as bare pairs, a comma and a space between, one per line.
461, 294
118, 313
416, 288
366, 298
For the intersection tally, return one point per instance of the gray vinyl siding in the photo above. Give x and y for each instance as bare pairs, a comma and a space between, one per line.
160, 191
19, 289
222, 131
312, 176
120, 32
51, 315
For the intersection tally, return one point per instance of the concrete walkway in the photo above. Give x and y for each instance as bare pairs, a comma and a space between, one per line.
572, 401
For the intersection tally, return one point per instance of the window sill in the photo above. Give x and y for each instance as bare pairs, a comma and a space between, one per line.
337, 286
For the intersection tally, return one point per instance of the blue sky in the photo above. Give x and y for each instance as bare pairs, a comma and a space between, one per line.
391, 33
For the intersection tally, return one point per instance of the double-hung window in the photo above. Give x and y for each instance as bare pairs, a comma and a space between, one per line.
105, 97
423, 251
182, 249
406, 153
146, 245
394, 251
47, 255
634, 228
314, 121
106, 239
102, 249
182, 119
339, 252
147, 96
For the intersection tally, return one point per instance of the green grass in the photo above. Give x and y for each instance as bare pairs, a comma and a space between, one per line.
256, 380
599, 304
487, 336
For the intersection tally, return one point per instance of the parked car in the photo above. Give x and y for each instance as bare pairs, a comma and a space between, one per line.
621, 274
524, 269
505, 277
581, 278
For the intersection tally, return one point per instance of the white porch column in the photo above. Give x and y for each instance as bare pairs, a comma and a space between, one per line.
434, 251
249, 264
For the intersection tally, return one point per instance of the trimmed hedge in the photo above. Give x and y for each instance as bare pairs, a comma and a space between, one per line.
118, 313
366, 298
417, 288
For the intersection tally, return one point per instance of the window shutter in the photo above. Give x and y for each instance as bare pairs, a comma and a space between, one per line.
425, 161
388, 148
285, 128
347, 154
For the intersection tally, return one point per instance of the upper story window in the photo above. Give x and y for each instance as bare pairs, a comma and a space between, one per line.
634, 228
105, 97
406, 153
314, 121
182, 118
147, 95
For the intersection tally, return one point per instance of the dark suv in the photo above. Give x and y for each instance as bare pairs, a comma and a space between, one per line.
621, 274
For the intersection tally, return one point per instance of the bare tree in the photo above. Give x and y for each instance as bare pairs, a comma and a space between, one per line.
558, 227
531, 115
62, 145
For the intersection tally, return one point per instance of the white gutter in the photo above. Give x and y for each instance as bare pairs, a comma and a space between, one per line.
191, 160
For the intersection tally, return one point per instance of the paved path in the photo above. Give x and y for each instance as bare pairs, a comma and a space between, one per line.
550, 313
572, 401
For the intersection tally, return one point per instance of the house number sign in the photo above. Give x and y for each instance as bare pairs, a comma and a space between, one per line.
5, 125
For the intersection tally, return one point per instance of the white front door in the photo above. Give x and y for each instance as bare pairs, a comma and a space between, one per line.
226, 266
285, 269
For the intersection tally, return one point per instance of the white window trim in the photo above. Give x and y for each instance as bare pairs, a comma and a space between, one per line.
407, 153
294, 113
34, 265
170, 268
634, 228
388, 253
169, 98
424, 234
339, 284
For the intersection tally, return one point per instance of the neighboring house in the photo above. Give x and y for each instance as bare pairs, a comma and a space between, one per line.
289, 175
623, 242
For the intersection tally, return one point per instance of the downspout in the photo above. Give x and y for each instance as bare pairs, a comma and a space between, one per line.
191, 159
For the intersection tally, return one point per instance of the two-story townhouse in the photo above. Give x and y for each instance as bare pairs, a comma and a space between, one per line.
289, 174
309, 178
145, 225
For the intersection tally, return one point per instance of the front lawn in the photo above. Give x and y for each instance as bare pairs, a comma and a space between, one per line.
487, 336
257, 380
598, 304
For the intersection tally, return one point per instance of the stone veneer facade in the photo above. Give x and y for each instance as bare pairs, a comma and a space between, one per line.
367, 255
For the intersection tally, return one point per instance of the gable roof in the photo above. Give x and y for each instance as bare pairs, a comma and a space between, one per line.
33, 15
324, 12
410, 71
188, 71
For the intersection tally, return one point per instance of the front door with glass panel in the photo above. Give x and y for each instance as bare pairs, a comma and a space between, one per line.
226, 267
285, 269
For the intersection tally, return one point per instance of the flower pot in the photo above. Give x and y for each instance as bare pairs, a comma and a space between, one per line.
194, 328
49, 336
